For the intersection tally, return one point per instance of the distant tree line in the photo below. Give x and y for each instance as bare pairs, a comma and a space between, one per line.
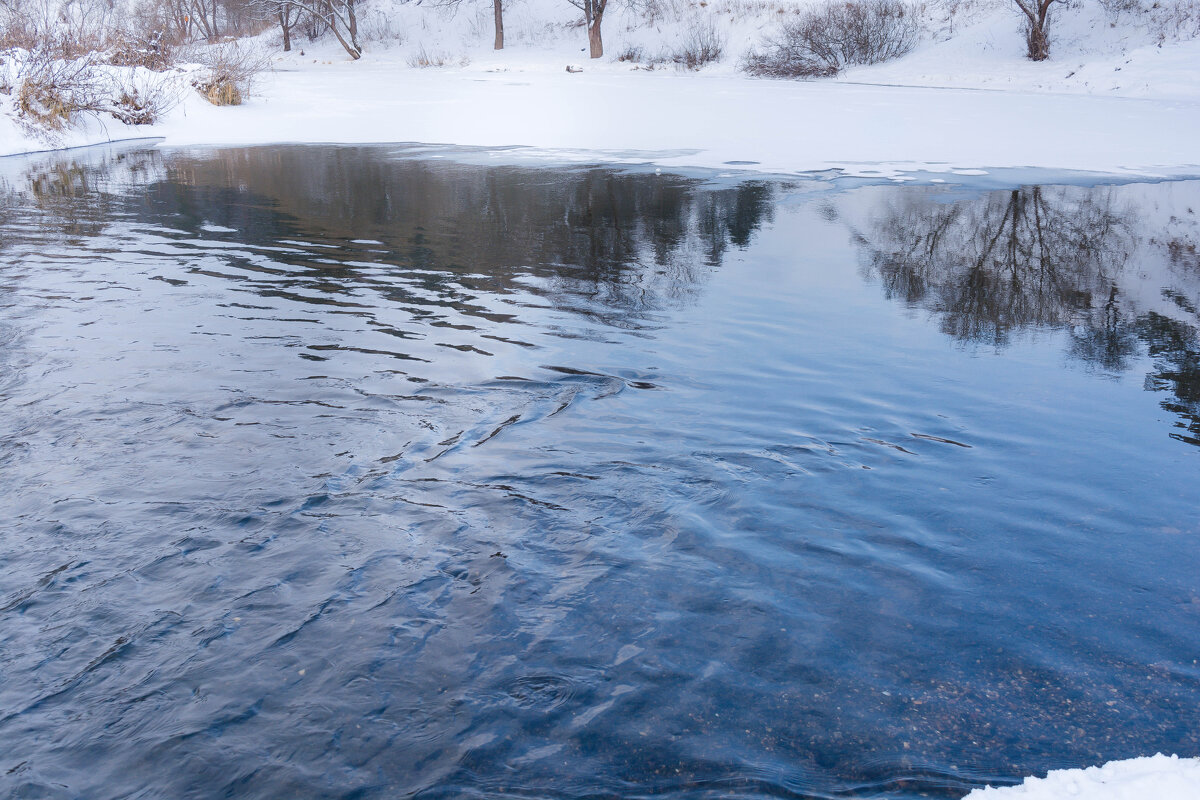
807, 41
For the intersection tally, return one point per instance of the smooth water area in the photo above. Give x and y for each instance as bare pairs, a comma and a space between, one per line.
340, 472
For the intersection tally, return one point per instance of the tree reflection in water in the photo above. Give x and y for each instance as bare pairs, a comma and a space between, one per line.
1042, 257
609, 244
615, 246
619, 248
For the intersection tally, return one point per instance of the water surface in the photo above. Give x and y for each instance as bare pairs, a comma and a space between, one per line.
338, 472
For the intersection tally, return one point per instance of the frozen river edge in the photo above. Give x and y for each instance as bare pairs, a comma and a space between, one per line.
1160, 777
685, 121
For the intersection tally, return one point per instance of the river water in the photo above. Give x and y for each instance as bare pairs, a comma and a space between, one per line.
371, 473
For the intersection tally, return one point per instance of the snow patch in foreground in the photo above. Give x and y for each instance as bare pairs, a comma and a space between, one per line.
1155, 777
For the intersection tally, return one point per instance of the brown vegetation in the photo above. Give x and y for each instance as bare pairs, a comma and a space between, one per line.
820, 43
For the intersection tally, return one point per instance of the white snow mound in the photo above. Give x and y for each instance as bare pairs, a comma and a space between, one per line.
1156, 777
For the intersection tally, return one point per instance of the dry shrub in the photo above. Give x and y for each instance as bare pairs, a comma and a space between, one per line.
152, 52
17, 32
1169, 20
144, 97
64, 31
132, 109
641, 59
378, 26
51, 92
822, 42
703, 45
632, 53
60, 60
230, 71
424, 58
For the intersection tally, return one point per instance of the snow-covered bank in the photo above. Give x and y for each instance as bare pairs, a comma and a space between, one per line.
1157, 777
709, 121
1112, 100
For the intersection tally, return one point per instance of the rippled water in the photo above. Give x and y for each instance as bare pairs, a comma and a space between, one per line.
352, 472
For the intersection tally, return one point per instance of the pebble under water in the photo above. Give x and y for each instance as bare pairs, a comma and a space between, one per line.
355, 472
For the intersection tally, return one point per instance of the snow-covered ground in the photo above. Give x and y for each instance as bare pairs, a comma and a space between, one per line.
1157, 777
708, 121
1111, 100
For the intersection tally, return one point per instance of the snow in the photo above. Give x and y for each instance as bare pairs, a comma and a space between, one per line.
683, 121
1155, 777
1116, 99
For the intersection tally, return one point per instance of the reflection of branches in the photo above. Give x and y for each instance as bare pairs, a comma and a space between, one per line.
1110, 340
1008, 261
1040, 258
608, 244
1175, 348
75, 193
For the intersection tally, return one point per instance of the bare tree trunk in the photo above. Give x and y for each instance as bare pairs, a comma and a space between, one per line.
1039, 46
353, 50
351, 23
285, 24
198, 16
178, 20
1036, 13
498, 12
595, 43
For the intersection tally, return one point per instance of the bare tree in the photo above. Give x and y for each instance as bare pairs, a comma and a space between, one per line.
497, 17
1005, 261
593, 15
203, 14
1036, 12
287, 15
338, 15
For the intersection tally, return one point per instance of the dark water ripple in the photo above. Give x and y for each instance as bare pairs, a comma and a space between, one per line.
329, 472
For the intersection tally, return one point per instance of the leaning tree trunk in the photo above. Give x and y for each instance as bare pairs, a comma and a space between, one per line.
352, 47
349, 47
498, 12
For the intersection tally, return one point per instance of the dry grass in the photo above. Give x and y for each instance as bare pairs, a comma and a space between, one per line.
50, 93
231, 69
702, 45
423, 59
219, 92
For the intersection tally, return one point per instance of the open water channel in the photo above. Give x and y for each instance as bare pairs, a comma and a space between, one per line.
365, 473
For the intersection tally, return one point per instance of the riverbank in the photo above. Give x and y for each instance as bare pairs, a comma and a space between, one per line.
679, 121
1110, 101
